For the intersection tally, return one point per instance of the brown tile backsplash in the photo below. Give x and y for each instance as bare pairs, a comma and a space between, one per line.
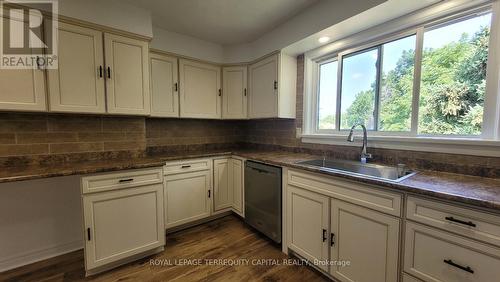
49, 134
23, 135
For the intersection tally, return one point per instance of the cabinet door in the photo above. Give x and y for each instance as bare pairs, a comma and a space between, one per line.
263, 97
77, 85
22, 89
123, 223
234, 97
307, 224
366, 238
127, 75
199, 90
237, 174
187, 197
223, 180
164, 86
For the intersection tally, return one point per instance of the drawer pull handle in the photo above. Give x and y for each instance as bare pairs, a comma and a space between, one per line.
185, 166
126, 180
324, 235
464, 268
332, 239
469, 223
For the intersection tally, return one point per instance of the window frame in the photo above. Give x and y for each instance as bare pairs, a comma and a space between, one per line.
491, 128
317, 97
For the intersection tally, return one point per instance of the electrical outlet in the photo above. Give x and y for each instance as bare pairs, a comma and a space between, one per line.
298, 132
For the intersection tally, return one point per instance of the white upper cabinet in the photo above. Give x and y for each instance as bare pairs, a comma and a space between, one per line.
272, 87
200, 92
164, 86
77, 85
127, 75
234, 95
22, 90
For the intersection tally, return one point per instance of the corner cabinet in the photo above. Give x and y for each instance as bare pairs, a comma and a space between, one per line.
127, 75
123, 217
272, 87
234, 94
164, 86
200, 91
223, 178
228, 185
77, 85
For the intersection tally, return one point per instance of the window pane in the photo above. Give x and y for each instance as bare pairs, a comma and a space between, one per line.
396, 86
453, 77
327, 104
359, 74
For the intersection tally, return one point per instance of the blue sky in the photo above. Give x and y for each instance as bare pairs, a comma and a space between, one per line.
359, 71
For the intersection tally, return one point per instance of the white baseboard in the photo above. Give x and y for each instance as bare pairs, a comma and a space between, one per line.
38, 255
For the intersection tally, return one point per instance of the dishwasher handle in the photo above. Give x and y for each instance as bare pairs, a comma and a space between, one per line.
259, 170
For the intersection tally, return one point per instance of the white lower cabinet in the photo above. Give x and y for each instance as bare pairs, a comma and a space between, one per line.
369, 240
228, 185
237, 171
307, 223
434, 255
121, 222
223, 180
346, 240
187, 197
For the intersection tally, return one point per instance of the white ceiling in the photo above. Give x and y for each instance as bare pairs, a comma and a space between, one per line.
225, 22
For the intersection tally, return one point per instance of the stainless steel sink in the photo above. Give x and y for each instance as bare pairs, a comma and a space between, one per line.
391, 173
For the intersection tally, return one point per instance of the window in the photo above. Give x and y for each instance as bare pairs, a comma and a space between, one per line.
359, 83
453, 80
327, 103
430, 80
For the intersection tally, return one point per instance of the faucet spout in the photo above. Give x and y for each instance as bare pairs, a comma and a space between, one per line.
364, 155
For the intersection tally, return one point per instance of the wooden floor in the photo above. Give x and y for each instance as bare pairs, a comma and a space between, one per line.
225, 238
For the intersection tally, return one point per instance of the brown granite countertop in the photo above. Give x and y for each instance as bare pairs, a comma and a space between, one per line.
478, 191
473, 190
29, 172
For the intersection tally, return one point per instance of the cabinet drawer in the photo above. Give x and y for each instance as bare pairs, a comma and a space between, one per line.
187, 166
353, 192
466, 222
120, 180
434, 255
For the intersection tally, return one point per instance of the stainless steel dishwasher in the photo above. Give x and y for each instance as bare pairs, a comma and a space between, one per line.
263, 198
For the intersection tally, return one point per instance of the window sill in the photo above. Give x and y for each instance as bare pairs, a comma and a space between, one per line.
463, 146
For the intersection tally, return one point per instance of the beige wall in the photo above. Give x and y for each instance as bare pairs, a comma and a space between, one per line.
39, 219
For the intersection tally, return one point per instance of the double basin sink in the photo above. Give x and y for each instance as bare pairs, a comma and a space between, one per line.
388, 173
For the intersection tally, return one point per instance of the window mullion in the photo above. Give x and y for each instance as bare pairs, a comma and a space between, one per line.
416, 81
339, 90
378, 85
